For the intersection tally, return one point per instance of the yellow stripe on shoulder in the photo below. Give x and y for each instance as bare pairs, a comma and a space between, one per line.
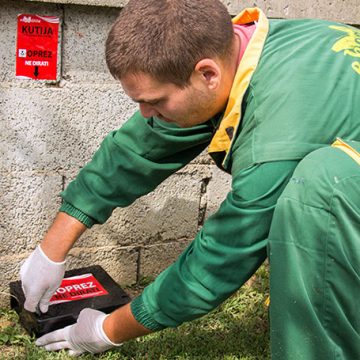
346, 148
223, 138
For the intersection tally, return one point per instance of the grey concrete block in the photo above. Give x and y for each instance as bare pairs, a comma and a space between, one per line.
29, 202
196, 171
9, 271
168, 213
8, 21
113, 3
155, 258
203, 158
340, 10
86, 30
217, 189
57, 128
119, 262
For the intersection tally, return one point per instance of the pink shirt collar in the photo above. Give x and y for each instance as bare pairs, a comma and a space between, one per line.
244, 32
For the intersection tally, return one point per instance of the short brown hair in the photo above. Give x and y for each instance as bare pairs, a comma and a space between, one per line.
166, 38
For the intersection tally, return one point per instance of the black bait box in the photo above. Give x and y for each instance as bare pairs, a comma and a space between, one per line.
88, 287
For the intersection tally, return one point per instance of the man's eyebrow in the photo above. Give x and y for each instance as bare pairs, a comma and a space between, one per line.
149, 101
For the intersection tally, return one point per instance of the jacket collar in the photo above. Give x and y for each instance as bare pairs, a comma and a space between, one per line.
226, 133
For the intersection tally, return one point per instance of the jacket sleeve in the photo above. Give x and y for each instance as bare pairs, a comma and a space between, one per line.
131, 162
225, 253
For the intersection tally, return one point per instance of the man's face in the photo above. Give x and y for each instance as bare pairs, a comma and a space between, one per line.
189, 106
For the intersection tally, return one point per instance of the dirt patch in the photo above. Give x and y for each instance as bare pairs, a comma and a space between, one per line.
11, 352
4, 323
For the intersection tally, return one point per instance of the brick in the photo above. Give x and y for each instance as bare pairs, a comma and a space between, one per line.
168, 213
9, 271
217, 189
102, 3
155, 258
345, 11
119, 262
84, 44
58, 128
339, 10
29, 203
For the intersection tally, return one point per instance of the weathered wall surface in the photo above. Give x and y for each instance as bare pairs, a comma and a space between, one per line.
49, 130
340, 10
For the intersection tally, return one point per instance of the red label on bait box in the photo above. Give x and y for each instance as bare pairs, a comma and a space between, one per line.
37, 47
77, 288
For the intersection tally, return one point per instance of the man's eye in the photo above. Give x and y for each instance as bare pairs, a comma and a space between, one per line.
157, 102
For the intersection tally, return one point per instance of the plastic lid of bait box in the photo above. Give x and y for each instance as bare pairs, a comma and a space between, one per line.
88, 287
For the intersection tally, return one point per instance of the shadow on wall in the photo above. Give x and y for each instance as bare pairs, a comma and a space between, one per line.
145, 222
158, 235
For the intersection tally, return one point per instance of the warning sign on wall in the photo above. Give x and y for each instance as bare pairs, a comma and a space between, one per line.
37, 47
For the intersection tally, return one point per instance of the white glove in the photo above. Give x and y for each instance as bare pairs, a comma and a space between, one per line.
87, 335
40, 278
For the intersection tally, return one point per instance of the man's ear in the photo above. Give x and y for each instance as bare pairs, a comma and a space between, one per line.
209, 72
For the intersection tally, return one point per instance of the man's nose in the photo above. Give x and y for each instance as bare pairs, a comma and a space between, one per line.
147, 110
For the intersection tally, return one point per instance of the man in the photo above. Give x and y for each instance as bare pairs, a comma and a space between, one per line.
269, 98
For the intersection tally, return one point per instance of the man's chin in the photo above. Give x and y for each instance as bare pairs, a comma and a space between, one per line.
182, 124
164, 119
170, 121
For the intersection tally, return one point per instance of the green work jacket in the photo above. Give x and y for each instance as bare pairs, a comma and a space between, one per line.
297, 88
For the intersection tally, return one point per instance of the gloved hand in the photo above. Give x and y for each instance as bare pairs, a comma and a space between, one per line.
87, 335
40, 278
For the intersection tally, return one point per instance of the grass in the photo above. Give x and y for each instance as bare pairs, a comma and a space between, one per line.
237, 330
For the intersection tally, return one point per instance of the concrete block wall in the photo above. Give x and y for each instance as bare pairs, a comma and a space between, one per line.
338, 10
49, 130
